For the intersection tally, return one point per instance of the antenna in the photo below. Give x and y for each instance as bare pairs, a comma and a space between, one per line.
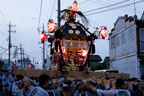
134, 8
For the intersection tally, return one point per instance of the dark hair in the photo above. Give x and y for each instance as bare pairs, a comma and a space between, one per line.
68, 82
119, 82
19, 77
142, 77
43, 79
134, 79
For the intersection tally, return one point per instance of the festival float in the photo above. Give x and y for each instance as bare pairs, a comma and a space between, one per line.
72, 44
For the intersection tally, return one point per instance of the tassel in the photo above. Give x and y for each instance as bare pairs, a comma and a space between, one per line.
64, 42
71, 42
79, 43
85, 44
93, 48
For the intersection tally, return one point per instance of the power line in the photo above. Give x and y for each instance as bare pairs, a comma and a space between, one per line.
28, 5
106, 6
4, 16
48, 10
114, 8
52, 8
5, 10
129, 8
40, 13
83, 2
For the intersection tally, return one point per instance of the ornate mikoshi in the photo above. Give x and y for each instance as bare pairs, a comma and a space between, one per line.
72, 44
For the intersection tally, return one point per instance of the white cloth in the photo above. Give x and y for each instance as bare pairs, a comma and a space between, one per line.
38, 91
116, 92
16, 91
7, 81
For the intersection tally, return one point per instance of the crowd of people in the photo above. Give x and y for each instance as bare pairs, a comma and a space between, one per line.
19, 85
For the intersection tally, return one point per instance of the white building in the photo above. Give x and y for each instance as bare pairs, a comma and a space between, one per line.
126, 46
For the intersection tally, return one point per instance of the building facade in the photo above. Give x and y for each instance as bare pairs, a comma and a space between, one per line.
126, 46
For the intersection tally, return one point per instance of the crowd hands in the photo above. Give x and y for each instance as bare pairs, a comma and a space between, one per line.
91, 86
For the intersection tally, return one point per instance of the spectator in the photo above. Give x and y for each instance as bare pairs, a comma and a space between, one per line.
6, 83
43, 85
80, 89
1, 74
140, 87
60, 78
17, 86
119, 91
68, 88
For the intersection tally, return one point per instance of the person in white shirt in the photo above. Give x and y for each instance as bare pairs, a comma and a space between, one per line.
43, 85
119, 91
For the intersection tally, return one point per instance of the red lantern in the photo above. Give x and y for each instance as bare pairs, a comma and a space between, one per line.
63, 49
50, 25
84, 53
104, 32
15, 62
38, 62
43, 36
75, 6
30, 65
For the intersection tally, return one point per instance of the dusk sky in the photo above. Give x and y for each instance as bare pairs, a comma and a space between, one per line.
25, 15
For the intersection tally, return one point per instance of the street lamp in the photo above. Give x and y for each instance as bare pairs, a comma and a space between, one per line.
43, 38
2, 53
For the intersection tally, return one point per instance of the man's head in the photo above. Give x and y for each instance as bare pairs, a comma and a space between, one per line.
1, 72
142, 77
140, 86
19, 81
44, 81
59, 74
80, 85
7, 72
119, 84
68, 87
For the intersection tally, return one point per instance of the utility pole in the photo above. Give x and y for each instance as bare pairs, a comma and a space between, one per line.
23, 57
10, 45
59, 19
21, 53
34, 63
43, 51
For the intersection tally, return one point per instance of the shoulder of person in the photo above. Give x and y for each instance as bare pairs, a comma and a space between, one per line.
3, 77
124, 92
76, 93
38, 91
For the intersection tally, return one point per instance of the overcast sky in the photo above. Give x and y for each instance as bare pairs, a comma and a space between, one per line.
25, 15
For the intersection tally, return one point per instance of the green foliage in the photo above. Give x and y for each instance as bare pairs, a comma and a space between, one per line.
100, 66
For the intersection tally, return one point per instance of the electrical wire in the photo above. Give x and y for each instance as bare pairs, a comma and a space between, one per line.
106, 6
6, 12
114, 8
83, 2
48, 10
40, 13
52, 9
29, 5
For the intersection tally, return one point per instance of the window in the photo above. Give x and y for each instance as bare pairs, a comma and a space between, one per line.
141, 39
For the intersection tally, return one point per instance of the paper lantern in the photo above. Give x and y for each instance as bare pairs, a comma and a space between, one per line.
84, 53
63, 49
104, 32
43, 36
75, 6
50, 25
